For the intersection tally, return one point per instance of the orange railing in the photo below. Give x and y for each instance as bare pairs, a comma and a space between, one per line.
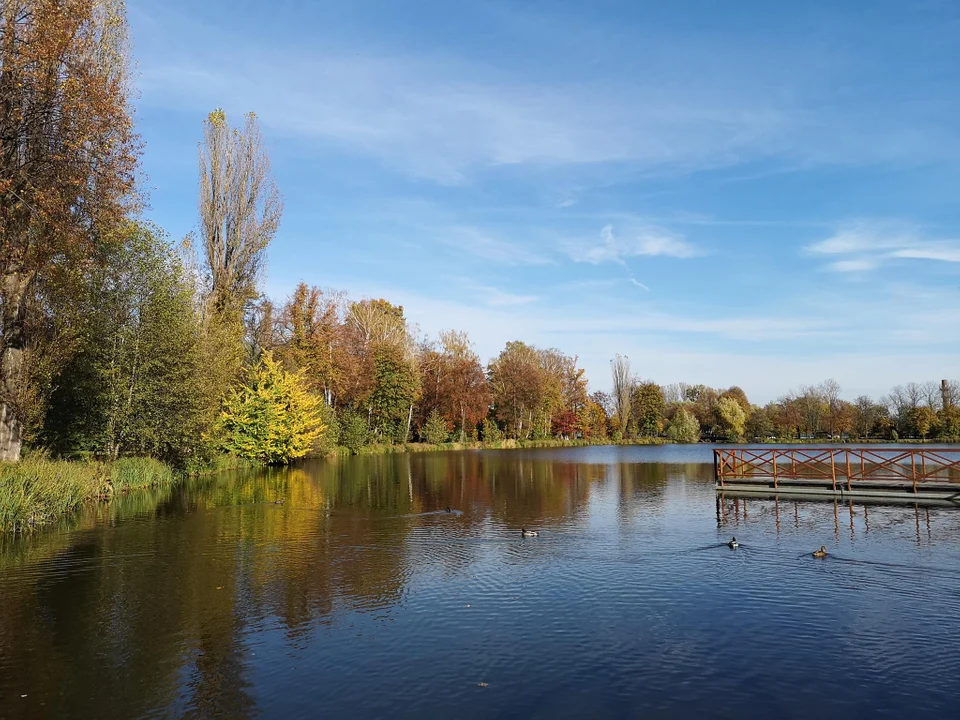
840, 466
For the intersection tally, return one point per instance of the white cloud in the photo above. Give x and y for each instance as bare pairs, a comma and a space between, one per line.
872, 245
498, 298
932, 251
858, 265
649, 242
445, 117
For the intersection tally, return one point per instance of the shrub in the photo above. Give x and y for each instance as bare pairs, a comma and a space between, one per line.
491, 431
435, 431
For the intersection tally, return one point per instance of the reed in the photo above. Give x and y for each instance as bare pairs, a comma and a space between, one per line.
38, 490
140, 473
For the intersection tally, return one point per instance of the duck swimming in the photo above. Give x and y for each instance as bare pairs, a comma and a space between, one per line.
529, 533
733, 544
821, 553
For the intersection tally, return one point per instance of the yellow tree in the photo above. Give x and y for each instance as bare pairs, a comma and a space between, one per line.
272, 418
67, 161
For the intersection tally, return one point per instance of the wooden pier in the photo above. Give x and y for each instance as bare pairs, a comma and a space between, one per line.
839, 471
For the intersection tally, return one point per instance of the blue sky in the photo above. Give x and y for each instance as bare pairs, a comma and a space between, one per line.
752, 193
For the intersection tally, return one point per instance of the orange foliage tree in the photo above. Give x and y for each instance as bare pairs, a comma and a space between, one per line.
67, 161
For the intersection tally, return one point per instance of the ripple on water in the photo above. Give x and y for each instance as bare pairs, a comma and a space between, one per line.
355, 597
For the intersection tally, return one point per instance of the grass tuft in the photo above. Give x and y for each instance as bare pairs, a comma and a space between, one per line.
37, 491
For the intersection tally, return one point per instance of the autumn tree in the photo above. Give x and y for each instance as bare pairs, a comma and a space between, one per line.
684, 428
731, 419
736, 393
922, 418
368, 326
948, 423
648, 408
309, 338
453, 382
272, 417
593, 419
516, 384
67, 161
762, 422
240, 209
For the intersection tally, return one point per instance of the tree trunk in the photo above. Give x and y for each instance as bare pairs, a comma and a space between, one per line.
406, 437
13, 290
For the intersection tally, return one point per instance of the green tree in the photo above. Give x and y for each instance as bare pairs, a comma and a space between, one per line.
134, 384
328, 440
922, 419
396, 386
684, 428
731, 419
491, 431
436, 430
354, 432
648, 407
948, 423
272, 418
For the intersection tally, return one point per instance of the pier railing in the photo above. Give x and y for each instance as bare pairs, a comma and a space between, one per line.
838, 467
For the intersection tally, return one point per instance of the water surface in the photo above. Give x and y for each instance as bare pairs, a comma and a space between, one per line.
361, 595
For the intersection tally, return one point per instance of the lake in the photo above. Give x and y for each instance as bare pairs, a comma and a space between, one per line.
362, 596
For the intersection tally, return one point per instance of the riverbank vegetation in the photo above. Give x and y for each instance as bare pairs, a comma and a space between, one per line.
147, 358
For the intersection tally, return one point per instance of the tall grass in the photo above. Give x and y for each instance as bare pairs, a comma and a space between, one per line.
37, 490
139, 473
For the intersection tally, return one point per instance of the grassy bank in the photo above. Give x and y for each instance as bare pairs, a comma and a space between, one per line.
37, 490
415, 447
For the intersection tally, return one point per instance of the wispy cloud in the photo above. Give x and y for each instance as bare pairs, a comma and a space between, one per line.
868, 246
495, 297
649, 242
446, 117
482, 244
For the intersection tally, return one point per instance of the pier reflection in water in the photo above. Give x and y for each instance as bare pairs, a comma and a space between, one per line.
360, 594
919, 522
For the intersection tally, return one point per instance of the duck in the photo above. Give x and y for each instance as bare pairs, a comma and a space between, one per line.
528, 533
821, 553
733, 544
278, 502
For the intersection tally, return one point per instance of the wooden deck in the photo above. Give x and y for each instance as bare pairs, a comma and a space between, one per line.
840, 471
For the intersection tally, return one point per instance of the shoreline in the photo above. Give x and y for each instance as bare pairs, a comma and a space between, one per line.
38, 491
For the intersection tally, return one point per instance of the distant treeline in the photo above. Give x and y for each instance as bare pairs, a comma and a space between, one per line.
116, 342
